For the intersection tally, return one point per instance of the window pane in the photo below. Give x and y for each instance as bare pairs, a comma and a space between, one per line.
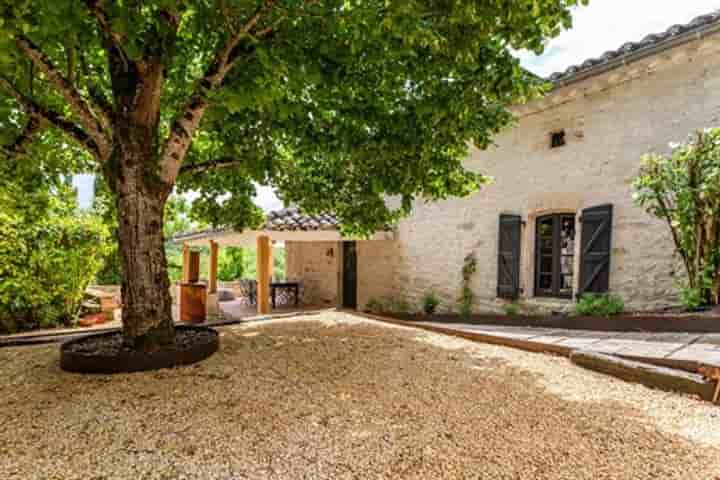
546, 246
546, 264
545, 227
545, 282
567, 235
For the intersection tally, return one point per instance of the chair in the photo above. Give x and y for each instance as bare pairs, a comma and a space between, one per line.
248, 291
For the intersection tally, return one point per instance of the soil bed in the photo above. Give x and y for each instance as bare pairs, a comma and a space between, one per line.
106, 352
656, 322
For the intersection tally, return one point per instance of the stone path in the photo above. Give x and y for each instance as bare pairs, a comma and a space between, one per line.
680, 347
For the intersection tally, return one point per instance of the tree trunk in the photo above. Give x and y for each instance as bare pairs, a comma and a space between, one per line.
140, 196
147, 305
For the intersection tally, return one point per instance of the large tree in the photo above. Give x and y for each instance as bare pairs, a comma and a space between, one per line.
337, 103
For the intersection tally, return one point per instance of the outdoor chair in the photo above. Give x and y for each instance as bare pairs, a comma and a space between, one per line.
248, 291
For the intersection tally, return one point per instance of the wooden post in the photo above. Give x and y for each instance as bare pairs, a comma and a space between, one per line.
263, 274
193, 267
213, 267
271, 262
185, 264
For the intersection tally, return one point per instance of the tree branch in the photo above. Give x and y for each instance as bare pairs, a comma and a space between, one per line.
188, 118
34, 109
112, 39
95, 126
207, 166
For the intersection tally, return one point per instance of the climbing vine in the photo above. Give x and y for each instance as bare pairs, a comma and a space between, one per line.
467, 296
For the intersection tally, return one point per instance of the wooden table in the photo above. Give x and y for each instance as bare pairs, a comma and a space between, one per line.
287, 286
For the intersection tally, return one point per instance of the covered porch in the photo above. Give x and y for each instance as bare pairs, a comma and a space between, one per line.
321, 266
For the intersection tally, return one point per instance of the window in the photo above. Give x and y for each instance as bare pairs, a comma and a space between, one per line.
555, 255
557, 139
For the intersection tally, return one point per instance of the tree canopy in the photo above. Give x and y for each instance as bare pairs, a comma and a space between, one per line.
339, 104
336, 103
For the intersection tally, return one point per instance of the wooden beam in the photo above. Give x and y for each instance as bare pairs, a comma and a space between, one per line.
650, 375
213, 267
263, 274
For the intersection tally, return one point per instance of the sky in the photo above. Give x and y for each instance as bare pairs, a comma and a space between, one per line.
603, 25
607, 24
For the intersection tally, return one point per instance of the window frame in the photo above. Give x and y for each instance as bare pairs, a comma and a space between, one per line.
556, 272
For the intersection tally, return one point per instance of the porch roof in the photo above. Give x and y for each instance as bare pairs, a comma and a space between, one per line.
287, 224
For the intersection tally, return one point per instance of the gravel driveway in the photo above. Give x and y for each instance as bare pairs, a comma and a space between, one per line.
333, 396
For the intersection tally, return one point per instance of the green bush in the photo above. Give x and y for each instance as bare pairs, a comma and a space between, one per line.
387, 305
430, 302
594, 305
511, 309
231, 264
467, 297
48, 257
398, 305
375, 306
683, 189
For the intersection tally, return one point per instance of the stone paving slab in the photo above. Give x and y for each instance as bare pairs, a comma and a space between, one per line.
587, 343
662, 345
699, 352
710, 338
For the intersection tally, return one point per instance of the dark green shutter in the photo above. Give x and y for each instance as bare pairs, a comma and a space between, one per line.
595, 250
508, 281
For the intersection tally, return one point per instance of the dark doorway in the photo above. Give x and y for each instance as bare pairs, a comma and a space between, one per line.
555, 255
349, 286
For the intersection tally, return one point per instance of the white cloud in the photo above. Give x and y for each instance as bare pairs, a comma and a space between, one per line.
607, 24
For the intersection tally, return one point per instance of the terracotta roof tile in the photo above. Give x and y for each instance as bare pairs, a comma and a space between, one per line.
290, 219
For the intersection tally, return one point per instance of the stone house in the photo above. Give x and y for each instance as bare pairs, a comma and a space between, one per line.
559, 218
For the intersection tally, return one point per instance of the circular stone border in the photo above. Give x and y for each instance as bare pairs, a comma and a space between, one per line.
126, 362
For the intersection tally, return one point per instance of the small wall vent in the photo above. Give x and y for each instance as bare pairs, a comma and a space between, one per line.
557, 139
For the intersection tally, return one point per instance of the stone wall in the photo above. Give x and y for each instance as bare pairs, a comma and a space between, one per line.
610, 121
317, 266
376, 270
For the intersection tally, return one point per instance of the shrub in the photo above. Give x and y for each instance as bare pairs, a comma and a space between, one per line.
231, 264
599, 305
466, 295
47, 260
398, 305
683, 189
430, 302
374, 306
387, 305
511, 309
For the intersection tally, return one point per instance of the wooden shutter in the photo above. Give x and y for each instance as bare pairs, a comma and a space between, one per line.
595, 249
508, 281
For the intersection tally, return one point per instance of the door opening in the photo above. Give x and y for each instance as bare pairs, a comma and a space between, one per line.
349, 286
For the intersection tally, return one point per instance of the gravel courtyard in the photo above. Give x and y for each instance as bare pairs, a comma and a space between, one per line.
337, 397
